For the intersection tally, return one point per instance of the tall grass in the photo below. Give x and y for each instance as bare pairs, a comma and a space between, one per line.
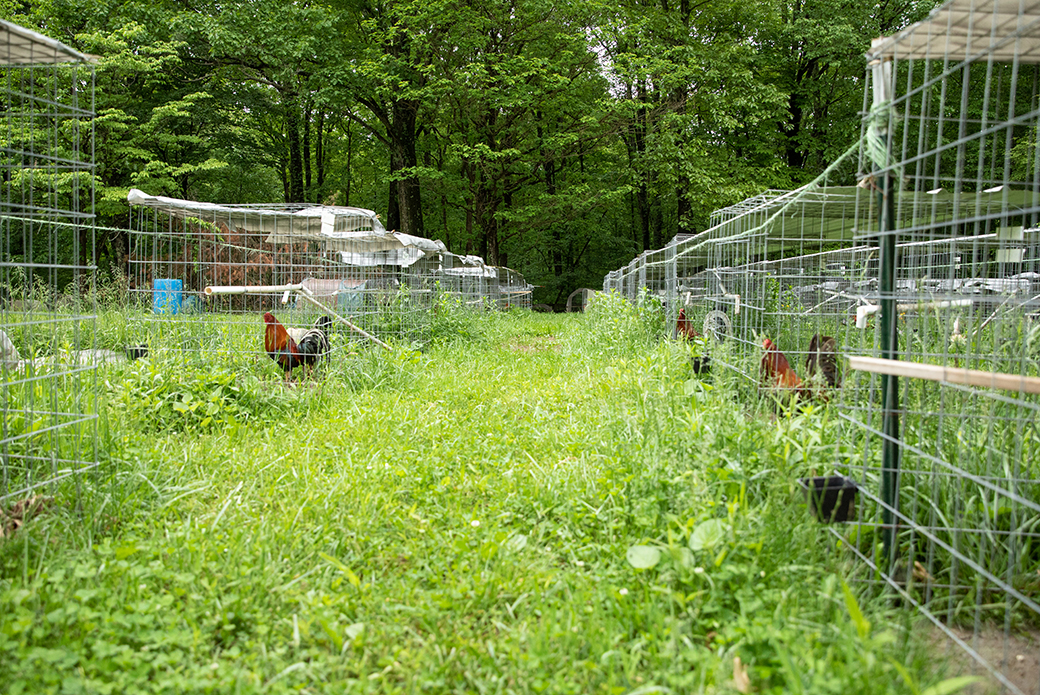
451, 521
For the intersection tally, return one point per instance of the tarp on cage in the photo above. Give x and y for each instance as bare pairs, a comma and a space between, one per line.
467, 266
355, 234
403, 257
1001, 30
21, 46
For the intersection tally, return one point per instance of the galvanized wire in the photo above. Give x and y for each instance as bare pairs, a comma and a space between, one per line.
393, 294
48, 383
952, 521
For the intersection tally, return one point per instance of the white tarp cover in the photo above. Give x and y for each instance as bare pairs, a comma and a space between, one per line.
969, 30
21, 46
355, 233
467, 266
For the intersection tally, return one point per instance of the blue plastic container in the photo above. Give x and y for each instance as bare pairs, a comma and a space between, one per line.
166, 296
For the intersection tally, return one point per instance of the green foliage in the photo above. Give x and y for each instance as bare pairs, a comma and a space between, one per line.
616, 326
167, 396
549, 505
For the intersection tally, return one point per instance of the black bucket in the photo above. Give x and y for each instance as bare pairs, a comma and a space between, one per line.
831, 498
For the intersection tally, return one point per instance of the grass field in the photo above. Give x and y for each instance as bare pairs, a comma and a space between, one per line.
534, 504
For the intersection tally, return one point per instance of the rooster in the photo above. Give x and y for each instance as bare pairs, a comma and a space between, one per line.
822, 359
777, 374
684, 329
293, 347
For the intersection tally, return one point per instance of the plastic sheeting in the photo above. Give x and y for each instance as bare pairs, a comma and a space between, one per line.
21, 46
962, 30
355, 234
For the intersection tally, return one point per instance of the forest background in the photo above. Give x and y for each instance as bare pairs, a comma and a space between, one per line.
557, 137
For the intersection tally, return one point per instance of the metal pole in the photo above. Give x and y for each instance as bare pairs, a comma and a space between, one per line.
890, 451
889, 338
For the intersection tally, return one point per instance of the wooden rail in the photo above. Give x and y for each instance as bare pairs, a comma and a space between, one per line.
952, 375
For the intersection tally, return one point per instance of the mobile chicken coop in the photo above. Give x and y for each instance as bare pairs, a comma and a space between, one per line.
198, 269
48, 385
918, 250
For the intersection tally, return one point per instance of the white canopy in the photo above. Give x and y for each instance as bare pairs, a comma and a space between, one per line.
21, 46
467, 266
964, 30
355, 233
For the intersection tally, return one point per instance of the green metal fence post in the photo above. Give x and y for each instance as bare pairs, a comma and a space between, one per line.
887, 227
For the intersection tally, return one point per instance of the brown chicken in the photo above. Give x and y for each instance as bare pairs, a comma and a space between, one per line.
781, 379
685, 330
777, 373
823, 360
683, 327
305, 349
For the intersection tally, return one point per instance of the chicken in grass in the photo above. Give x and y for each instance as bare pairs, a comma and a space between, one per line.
684, 329
821, 364
296, 347
777, 375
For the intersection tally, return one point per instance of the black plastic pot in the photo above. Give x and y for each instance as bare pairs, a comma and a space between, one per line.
831, 498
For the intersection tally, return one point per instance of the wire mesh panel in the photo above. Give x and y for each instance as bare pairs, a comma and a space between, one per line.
47, 324
948, 460
202, 274
342, 257
464, 281
514, 292
782, 265
926, 274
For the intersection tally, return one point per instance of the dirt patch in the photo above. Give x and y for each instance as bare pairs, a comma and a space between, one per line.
535, 343
1016, 656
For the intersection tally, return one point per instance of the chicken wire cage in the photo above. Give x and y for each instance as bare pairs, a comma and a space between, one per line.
782, 264
468, 282
512, 290
948, 443
201, 270
202, 274
48, 386
927, 274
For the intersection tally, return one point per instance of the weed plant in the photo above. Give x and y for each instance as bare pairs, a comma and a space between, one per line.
534, 504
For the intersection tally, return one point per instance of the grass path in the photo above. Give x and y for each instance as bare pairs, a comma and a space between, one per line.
454, 522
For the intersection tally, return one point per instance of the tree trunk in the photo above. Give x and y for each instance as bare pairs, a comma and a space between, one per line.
319, 149
639, 145
350, 157
292, 128
549, 167
795, 159
404, 115
307, 148
486, 206
683, 206
393, 205
796, 113
658, 215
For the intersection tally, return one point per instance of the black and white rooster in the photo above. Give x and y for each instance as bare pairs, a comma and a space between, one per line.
294, 347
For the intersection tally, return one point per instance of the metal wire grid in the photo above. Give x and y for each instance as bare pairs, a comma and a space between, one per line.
390, 293
956, 504
47, 377
950, 522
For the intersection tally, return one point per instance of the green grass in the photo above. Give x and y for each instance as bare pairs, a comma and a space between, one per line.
453, 521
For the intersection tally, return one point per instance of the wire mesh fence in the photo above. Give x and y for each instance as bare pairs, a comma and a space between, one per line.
201, 274
48, 385
918, 253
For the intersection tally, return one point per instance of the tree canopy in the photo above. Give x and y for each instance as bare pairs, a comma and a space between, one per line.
559, 138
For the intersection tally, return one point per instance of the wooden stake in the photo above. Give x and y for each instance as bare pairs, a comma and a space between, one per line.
302, 292
952, 375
